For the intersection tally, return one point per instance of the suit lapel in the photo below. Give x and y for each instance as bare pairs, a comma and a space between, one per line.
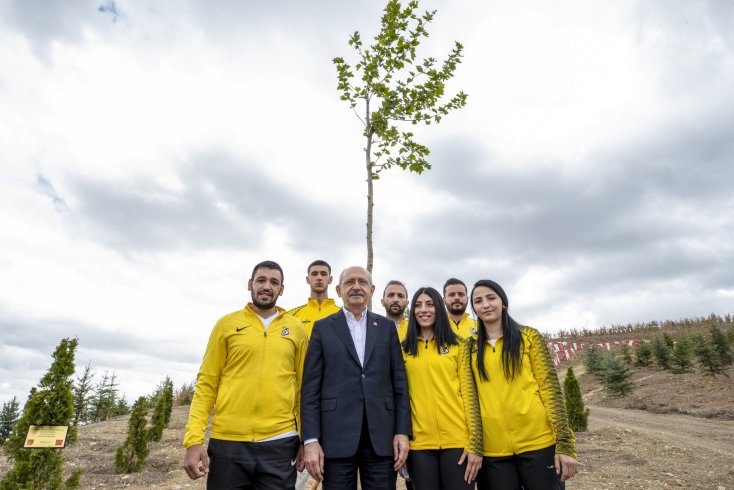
371, 336
339, 323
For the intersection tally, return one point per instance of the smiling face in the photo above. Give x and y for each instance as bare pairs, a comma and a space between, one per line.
355, 288
487, 304
424, 310
265, 287
319, 278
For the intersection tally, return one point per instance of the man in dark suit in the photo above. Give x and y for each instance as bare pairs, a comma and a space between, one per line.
355, 410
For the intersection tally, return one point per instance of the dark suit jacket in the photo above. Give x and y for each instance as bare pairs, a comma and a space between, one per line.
337, 391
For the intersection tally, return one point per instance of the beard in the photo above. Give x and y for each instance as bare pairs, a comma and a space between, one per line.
397, 310
457, 310
264, 305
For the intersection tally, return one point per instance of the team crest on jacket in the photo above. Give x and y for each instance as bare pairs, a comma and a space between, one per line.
285, 332
444, 350
472, 330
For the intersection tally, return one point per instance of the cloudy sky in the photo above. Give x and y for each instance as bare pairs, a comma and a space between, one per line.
153, 152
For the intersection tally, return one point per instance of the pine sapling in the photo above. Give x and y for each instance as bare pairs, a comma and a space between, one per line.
131, 455
578, 415
616, 377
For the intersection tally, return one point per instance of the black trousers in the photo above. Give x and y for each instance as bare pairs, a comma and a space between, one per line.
375, 472
532, 470
252, 465
438, 470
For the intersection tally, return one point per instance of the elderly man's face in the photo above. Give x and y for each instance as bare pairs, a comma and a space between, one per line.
355, 289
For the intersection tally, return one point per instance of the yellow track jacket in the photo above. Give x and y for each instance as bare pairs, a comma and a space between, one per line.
251, 377
313, 311
466, 326
443, 399
527, 413
403, 329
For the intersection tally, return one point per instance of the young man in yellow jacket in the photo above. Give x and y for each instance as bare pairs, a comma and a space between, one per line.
319, 305
395, 301
456, 298
251, 376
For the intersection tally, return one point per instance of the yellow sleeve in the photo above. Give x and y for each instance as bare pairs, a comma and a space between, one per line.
300, 358
470, 400
550, 392
207, 384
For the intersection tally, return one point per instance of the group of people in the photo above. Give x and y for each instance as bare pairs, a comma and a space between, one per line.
346, 394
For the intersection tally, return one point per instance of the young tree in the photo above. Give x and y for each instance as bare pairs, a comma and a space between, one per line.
578, 415
627, 355
168, 399
680, 360
721, 346
709, 360
185, 394
668, 340
82, 395
162, 410
593, 362
616, 376
131, 454
394, 90
8, 418
643, 355
121, 407
661, 353
105, 398
51, 404
730, 334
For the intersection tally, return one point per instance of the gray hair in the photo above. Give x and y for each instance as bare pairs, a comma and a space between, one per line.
341, 276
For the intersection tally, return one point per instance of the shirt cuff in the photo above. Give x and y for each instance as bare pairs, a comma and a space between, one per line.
309, 441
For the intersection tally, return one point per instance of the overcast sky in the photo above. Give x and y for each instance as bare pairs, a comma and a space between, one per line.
153, 152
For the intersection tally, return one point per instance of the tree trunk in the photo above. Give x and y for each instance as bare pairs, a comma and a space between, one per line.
370, 196
370, 204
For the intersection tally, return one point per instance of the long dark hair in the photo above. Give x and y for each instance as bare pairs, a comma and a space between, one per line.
512, 344
443, 334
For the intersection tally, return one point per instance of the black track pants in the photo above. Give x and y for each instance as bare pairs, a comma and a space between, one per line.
532, 470
438, 470
252, 465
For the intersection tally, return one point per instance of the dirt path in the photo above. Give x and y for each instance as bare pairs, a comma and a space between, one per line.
623, 449
626, 448
717, 435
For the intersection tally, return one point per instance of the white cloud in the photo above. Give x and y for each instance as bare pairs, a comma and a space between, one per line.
149, 161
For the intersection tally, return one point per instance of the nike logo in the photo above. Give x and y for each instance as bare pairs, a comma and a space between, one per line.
293, 462
239, 329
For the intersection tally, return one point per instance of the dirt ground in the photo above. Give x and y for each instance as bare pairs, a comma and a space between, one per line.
673, 431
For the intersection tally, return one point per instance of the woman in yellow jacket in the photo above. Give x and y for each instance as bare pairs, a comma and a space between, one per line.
446, 450
527, 440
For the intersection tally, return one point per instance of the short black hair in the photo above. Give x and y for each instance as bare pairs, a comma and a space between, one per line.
394, 282
268, 264
318, 262
452, 281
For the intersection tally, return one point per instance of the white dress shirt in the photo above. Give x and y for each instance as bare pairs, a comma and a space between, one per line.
358, 329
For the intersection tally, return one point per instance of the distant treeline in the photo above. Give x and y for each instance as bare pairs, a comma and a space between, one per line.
644, 331
96, 402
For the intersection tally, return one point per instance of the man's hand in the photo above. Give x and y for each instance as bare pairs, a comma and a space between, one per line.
473, 464
400, 450
300, 463
196, 462
313, 456
566, 466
